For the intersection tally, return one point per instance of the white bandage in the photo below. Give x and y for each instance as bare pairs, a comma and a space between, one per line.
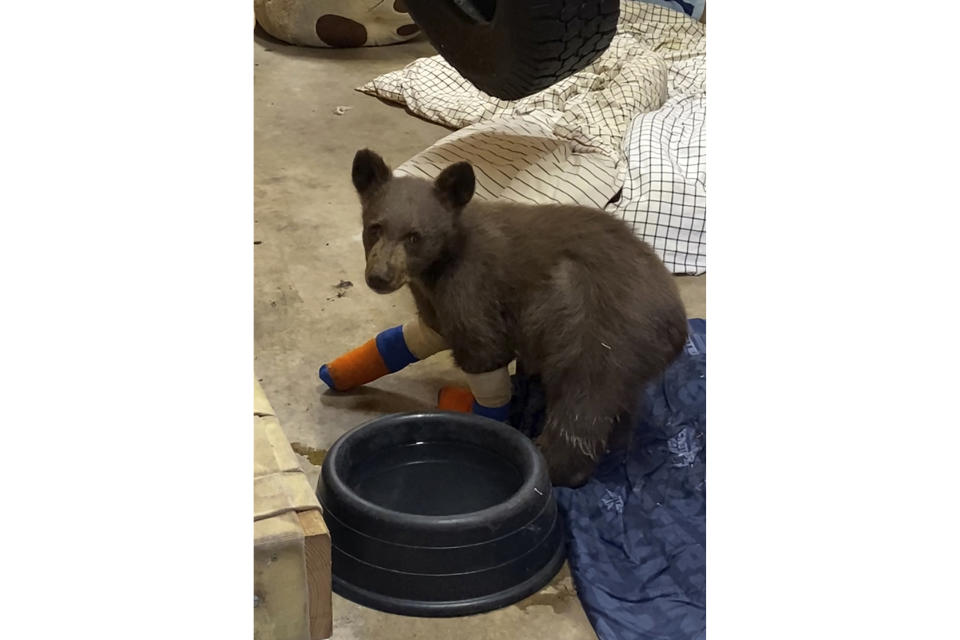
491, 389
421, 340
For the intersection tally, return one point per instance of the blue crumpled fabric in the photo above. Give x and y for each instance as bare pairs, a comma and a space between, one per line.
637, 530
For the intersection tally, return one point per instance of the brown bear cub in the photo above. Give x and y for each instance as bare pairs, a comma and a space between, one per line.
570, 291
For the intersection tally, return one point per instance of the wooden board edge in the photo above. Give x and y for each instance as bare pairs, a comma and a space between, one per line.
316, 544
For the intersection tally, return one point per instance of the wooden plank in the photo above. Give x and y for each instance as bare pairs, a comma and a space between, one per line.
316, 542
261, 405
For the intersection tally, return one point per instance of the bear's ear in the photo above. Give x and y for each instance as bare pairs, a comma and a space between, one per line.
455, 184
369, 171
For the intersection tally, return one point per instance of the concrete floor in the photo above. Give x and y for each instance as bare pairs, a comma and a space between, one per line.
307, 242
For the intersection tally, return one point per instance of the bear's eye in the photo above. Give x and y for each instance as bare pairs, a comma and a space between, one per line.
412, 239
374, 231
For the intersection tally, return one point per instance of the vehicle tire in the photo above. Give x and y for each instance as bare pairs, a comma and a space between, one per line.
513, 48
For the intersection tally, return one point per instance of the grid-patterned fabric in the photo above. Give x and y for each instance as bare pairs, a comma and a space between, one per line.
625, 134
664, 193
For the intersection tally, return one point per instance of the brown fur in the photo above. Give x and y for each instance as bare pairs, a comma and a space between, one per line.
568, 290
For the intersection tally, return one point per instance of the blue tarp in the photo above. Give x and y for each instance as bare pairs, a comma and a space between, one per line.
693, 8
637, 529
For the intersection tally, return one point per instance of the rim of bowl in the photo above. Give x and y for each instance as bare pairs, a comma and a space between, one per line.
481, 517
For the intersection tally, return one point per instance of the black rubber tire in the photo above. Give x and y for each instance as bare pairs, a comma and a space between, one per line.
511, 49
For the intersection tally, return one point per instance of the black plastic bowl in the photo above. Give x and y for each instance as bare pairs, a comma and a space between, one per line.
439, 514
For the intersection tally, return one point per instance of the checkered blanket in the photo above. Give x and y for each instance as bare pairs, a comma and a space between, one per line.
626, 134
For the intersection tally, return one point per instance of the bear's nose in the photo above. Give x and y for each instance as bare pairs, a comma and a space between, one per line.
377, 282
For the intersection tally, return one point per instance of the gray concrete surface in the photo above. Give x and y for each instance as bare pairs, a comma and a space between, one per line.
307, 230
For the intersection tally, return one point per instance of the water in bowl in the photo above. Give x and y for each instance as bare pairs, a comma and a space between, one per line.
436, 478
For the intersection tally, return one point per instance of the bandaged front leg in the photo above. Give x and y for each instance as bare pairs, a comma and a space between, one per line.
491, 393
455, 399
390, 351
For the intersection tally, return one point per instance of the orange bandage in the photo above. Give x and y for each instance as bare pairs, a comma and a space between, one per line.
355, 368
389, 352
455, 399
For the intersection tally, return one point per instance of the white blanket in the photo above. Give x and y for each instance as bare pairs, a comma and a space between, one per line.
626, 134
